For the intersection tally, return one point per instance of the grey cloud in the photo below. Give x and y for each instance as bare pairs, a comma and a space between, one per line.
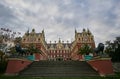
5, 15
56, 16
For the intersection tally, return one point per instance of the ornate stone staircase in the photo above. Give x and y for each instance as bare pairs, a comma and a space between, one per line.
59, 69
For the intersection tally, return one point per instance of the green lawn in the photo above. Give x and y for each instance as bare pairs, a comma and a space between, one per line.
116, 76
16, 77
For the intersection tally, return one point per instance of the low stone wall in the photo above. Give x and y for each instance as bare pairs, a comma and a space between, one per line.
102, 65
15, 65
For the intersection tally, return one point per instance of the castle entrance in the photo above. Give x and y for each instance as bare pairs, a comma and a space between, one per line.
59, 59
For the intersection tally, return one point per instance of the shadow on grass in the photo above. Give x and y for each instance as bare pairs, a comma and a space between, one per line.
116, 76
3, 66
16, 77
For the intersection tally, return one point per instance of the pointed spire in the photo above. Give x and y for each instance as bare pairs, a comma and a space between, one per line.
28, 30
27, 33
75, 31
50, 42
88, 31
59, 40
84, 30
43, 31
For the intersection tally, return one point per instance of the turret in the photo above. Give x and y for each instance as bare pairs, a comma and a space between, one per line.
27, 33
75, 31
88, 31
33, 30
59, 41
43, 34
84, 30
75, 34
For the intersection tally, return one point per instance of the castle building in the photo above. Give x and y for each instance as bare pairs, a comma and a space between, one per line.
59, 50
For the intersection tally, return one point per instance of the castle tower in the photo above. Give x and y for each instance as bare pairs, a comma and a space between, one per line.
82, 38
36, 39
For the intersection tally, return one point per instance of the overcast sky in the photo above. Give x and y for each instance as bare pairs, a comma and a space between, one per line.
60, 18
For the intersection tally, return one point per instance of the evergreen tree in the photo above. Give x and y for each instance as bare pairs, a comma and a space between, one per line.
33, 49
85, 49
113, 49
